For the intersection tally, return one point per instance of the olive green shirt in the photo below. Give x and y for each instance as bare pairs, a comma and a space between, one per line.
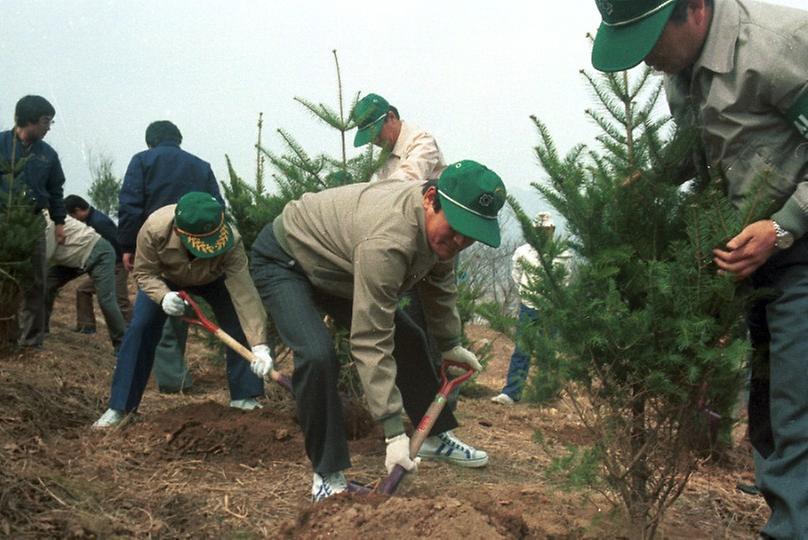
742, 91
161, 257
367, 242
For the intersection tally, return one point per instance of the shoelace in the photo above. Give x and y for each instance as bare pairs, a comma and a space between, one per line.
323, 492
454, 445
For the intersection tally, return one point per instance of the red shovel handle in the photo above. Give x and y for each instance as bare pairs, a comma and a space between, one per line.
200, 319
389, 485
228, 340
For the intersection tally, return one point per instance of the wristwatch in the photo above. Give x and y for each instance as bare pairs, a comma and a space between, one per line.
784, 239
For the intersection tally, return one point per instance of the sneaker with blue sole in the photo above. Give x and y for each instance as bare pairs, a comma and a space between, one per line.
324, 486
447, 447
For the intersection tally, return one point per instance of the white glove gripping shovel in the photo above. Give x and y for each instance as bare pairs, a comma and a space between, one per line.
228, 340
389, 485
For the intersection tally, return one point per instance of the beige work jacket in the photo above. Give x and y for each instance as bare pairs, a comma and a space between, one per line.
415, 156
742, 92
161, 257
367, 242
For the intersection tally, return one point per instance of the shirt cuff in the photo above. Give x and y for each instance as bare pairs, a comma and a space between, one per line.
393, 425
792, 218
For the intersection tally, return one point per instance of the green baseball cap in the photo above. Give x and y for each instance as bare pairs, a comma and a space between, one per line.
369, 114
470, 196
200, 224
628, 32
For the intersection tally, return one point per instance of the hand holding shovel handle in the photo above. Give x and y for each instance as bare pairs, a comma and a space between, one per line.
389, 485
210, 326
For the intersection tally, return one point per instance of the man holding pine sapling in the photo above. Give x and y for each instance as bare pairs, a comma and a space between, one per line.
737, 70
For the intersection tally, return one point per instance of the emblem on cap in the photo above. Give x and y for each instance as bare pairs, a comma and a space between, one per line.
485, 200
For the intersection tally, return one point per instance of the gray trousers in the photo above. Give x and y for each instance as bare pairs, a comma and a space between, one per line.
778, 401
170, 369
100, 266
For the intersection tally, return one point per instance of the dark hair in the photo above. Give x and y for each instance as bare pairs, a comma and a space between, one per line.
74, 202
30, 109
394, 111
679, 13
161, 131
428, 184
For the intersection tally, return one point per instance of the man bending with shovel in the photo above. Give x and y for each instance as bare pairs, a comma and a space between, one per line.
190, 246
352, 251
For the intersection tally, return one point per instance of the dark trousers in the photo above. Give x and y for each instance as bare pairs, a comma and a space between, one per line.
136, 355
32, 315
297, 308
778, 400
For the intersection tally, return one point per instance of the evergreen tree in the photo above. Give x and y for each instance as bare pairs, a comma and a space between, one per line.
20, 229
295, 171
646, 332
104, 186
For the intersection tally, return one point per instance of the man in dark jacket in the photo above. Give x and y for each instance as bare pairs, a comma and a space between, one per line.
43, 180
81, 210
155, 178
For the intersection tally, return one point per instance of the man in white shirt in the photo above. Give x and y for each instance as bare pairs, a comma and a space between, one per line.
83, 251
525, 257
413, 153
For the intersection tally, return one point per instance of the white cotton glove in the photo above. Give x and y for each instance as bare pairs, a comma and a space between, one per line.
398, 453
173, 305
263, 361
463, 356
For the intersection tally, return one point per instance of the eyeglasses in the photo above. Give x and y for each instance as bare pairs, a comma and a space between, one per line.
46, 121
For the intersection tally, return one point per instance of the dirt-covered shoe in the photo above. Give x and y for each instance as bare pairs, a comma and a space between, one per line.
323, 487
109, 419
245, 404
503, 399
447, 447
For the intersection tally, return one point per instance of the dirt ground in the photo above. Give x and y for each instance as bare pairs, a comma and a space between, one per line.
189, 466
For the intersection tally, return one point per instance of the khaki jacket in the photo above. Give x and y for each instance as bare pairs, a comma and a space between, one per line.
161, 257
367, 242
752, 70
415, 156
80, 239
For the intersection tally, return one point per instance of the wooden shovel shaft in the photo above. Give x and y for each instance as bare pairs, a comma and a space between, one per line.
228, 340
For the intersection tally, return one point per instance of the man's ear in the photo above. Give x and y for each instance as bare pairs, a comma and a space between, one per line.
429, 197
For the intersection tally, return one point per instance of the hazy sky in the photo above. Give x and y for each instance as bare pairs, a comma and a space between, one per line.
469, 72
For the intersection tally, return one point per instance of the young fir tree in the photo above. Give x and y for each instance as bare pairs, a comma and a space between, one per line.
20, 229
645, 333
295, 171
105, 186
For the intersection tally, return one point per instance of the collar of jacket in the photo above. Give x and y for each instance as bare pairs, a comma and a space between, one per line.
403, 140
718, 53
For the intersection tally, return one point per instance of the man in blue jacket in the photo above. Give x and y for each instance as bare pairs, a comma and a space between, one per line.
43, 180
155, 178
81, 210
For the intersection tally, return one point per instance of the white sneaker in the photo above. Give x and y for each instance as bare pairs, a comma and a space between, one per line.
111, 418
503, 399
323, 487
447, 447
245, 404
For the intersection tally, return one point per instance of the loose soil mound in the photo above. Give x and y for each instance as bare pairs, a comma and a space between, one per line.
211, 431
376, 516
